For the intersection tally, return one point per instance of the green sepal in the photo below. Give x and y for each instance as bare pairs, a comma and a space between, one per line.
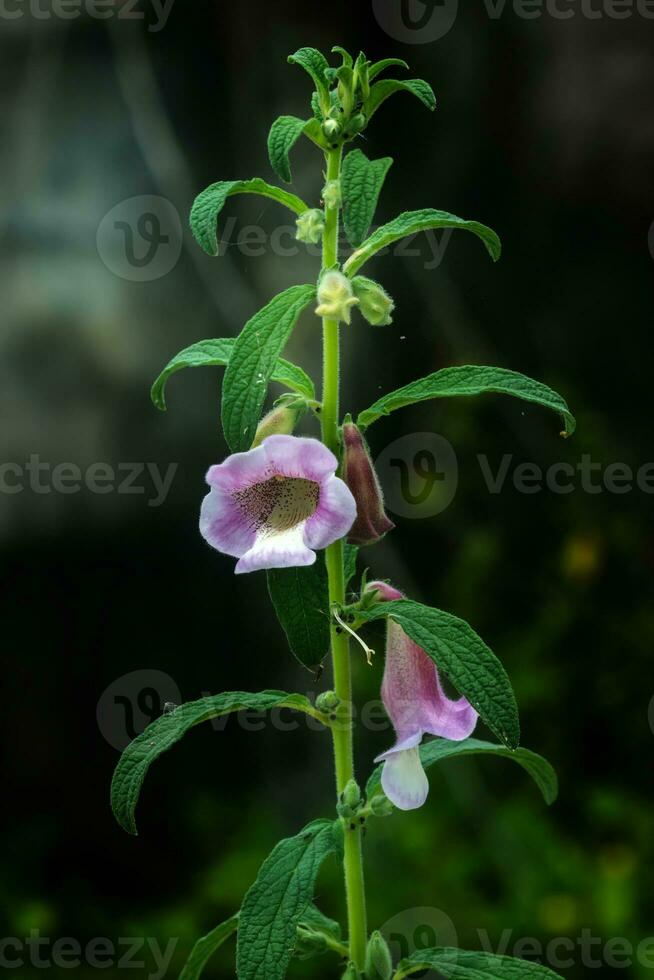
216, 353
210, 202
470, 380
463, 657
279, 898
167, 730
439, 749
361, 183
254, 356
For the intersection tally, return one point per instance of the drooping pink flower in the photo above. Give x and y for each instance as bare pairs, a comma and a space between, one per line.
416, 704
273, 506
372, 523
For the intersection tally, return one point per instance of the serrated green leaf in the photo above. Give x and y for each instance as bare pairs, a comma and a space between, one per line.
206, 947
361, 183
383, 90
459, 964
254, 356
278, 899
440, 749
284, 134
167, 730
300, 597
216, 353
381, 66
412, 222
208, 205
467, 381
463, 657
316, 65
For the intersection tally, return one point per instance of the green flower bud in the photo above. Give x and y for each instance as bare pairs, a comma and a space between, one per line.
352, 794
331, 194
281, 421
328, 701
309, 943
310, 226
379, 965
336, 297
356, 124
381, 806
351, 973
375, 303
331, 129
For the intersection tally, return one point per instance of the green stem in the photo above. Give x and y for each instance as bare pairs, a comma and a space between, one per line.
342, 732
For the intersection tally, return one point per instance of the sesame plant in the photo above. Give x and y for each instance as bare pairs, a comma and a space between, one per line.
299, 508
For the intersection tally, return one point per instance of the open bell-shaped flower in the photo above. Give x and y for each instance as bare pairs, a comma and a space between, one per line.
274, 506
371, 523
416, 704
336, 297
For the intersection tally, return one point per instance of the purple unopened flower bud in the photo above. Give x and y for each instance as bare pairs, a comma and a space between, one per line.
371, 523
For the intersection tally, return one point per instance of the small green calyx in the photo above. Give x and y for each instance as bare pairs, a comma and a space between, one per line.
351, 973
375, 304
381, 806
309, 943
332, 129
379, 965
327, 702
331, 194
336, 297
310, 226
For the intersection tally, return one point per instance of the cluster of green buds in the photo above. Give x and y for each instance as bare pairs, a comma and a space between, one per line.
345, 118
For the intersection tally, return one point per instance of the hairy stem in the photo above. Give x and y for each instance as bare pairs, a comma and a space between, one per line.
342, 732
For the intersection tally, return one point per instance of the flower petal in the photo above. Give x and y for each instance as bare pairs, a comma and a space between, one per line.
334, 515
240, 470
223, 526
283, 550
404, 780
295, 456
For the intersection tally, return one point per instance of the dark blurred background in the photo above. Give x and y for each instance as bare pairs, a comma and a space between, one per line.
545, 131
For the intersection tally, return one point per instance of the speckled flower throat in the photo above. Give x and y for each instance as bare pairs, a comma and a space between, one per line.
279, 504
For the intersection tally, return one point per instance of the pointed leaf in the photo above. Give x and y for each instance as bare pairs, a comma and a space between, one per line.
463, 657
439, 749
208, 205
216, 353
383, 90
284, 134
466, 381
206, 947
254, 356
316, 65
278, 899
301, 600
459, 964
410, 223
361, 182
167, 730
381, 66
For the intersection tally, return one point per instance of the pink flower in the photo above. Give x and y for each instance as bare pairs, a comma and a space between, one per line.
416, 704
359, 474
271, 506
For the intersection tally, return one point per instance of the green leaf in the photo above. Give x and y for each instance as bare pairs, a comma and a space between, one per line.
208, 205
463, 657
410, 223
381, 66
459, 964
284, 134
439, 749
351, 553
316, 65
167, 730
469, 380
383, 90
301, 600
316, 934
206, 947
278, 899
361, 183
254, 356
216, 353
